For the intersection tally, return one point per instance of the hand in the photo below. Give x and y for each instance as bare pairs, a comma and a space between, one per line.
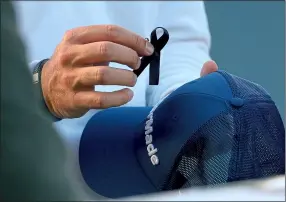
81, 61
209, 67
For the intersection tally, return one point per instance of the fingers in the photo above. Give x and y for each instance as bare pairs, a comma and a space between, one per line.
113, 33
103, 52
104, 75
209, 67
102, 100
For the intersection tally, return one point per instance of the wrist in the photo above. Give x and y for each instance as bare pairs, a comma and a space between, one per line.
38, 77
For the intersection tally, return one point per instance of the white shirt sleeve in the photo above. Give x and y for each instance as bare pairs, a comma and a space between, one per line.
187, 49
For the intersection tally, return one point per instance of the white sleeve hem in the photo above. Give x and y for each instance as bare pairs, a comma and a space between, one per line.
33, 64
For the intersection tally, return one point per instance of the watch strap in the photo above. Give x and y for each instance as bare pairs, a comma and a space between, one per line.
37, 73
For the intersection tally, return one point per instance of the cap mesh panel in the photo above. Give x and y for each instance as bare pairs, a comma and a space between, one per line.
245, 142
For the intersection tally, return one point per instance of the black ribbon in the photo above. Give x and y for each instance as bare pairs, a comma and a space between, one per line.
154, 59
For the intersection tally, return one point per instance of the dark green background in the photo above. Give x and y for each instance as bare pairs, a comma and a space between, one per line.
248, 40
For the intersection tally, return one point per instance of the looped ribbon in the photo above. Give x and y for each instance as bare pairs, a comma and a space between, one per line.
154, 59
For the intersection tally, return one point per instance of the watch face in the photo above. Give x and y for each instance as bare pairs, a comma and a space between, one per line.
36, 78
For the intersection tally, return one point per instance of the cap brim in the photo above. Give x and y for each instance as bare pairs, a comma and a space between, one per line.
106, 154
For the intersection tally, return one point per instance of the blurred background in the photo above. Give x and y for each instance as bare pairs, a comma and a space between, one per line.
248, 40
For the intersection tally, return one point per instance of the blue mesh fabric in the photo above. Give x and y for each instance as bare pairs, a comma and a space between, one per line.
245, 89
239, 144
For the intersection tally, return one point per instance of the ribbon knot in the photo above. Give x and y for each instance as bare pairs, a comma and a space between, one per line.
154, 59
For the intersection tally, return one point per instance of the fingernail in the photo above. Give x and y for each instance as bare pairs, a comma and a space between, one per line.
130, 93
135, 79
149, 48
138, 64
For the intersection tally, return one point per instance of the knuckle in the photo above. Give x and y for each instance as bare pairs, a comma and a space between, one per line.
85, 78
111, 31
64, 55
69, 34
104, 49
100, 74
99, 101
139, 42
68, 79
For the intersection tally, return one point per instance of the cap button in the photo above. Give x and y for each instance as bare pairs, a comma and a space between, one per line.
237, 102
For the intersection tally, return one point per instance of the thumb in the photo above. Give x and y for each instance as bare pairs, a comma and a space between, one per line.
209, 67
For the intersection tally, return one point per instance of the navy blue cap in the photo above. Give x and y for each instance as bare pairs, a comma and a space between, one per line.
216, 129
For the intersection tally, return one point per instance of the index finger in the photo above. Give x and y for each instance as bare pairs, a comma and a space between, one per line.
113, 33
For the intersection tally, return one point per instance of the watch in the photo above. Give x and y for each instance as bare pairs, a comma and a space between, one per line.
37, 73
